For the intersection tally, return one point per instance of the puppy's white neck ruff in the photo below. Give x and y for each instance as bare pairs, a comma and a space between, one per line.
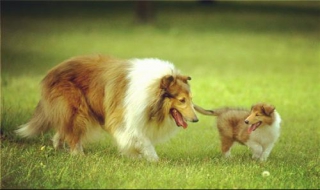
277, 119
275, 126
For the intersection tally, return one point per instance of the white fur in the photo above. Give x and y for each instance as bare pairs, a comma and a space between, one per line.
262, 140
134, 134
23, 130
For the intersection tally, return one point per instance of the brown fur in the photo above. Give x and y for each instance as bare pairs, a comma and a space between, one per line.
73, 92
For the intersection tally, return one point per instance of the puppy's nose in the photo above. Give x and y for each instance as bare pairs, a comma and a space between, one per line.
195, 120
246, 121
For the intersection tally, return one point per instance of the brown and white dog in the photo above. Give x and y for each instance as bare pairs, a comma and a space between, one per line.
259, 128
139, 102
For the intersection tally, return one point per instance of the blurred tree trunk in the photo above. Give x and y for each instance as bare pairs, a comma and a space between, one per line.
144, 11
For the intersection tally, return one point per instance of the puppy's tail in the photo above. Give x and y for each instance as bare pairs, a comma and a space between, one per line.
204, 111
36, 125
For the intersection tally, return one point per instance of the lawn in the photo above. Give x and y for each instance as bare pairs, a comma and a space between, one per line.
237, 53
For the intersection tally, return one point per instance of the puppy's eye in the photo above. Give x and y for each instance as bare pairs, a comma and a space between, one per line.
167, 95
183, 100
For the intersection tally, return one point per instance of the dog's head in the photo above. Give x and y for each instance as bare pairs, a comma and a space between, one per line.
178, 98
261, 114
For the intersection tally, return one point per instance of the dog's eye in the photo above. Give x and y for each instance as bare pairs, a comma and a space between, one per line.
183, 100
167, 95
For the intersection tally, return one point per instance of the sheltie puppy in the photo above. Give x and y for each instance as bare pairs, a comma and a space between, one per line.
258, 129
140, 102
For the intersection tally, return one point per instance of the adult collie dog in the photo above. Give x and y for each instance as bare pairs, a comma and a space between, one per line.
259, 128
140, 102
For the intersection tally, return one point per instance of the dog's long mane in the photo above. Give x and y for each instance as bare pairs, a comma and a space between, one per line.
159, 108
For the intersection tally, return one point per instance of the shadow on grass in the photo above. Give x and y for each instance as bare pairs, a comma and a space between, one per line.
16, 63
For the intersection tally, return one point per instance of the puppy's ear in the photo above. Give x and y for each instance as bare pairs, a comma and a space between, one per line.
268, 109
166, 81
184, 78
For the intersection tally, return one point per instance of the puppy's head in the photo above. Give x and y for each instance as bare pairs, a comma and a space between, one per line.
261, 114
176, 91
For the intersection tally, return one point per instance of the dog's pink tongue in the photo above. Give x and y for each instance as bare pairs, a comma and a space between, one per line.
178, 118
183, 123
250, 129
253, 127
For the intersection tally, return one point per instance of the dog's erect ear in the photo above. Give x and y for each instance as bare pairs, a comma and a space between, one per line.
166, 81
184, 78
268, 109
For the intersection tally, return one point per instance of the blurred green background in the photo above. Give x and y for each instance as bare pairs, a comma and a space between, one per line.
188, 33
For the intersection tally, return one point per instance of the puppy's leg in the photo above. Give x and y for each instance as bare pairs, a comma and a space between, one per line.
266, 152
256, 149
226, 144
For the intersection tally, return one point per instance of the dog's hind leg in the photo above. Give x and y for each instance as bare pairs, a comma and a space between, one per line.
226, 144
77, 128
76, 148
75, 134
57, 141
72, 117
71, 132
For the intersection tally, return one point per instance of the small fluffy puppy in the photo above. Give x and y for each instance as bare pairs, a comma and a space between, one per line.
258, 129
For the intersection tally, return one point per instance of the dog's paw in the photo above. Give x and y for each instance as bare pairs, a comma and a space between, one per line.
255, 157
262, 159
153, 158
227, 154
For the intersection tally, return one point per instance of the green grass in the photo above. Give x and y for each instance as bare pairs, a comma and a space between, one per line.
237, 53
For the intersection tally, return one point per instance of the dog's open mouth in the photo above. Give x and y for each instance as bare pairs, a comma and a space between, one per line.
254, 126
178, 118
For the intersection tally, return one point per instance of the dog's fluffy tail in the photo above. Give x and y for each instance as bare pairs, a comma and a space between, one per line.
36, 125
215, 112
204, 111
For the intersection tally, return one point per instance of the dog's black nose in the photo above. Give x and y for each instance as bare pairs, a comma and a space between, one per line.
195, 120
246, 121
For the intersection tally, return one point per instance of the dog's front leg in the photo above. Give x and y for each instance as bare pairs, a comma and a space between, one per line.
146, 148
